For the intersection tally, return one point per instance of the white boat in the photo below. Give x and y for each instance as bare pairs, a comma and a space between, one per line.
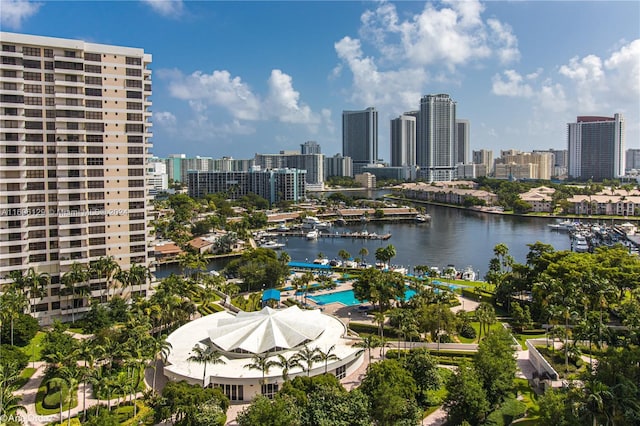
469, 274
271, 244
422, 218
282, 227
313, 234
580, 244
565, 225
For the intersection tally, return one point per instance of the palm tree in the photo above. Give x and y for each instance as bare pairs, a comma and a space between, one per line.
13, 303
9, 374
61, 383
262, 363
138, 275
75, 275
161, 347
106, 267
344, 255
327, 356
363, 254
369, 342
206, 355
286, 365
486, 315
307, 357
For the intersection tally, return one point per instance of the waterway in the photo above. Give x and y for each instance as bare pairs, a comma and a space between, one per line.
453, 237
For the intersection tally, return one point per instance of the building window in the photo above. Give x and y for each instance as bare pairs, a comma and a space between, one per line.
31, 51
94, 57
269, 390
341, 372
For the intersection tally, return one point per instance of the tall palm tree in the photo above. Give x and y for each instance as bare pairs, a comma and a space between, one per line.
206, 355
106, 267
344, 255
363, 254
326, 356
160, 348
286, 364
138, 275
307, 357
262, 363
61, 383
12, 304
77, 274
368, 343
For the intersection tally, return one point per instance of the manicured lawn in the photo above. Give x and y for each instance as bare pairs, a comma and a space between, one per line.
476, 326
34, 349
522, 338
55, 394
24, 376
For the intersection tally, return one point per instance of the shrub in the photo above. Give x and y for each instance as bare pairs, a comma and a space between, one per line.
25, 328
11, 354
468, 332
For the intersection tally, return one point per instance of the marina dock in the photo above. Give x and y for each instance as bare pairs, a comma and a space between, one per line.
327, 234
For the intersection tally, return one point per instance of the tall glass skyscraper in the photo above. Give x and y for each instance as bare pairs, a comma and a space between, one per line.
596, 147
360, 137
436, 144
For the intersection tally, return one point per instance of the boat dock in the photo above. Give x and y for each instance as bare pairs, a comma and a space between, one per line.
362, 235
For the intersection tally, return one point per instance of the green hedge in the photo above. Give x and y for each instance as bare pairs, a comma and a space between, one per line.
359, 327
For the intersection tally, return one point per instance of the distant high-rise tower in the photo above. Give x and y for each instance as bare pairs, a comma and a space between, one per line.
436, 138
310, 147
484, 156
633, 159
462, 141
596, 147
360, 137
403, 141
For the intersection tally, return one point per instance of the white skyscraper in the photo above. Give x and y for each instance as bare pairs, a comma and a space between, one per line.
436, 151
596, 148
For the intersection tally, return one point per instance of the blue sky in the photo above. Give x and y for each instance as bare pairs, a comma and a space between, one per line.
236, 78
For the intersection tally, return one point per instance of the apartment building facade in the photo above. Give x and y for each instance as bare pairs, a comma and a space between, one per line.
75, 129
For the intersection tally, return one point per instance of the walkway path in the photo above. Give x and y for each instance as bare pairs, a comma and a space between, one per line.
29, 391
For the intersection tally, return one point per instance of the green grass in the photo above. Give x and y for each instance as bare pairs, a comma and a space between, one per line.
476, 326
522, 338
42, 393
24, 377
34, 349
530, 399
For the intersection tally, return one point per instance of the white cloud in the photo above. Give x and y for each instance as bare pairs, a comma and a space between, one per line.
208, 94
411, 51
283, 101
623, 71
168, 8
218, 88
379, 88
507, 42
165, 118
512, 85
14, 12
585, 70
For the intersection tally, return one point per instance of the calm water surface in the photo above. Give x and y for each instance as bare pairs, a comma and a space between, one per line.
456, 237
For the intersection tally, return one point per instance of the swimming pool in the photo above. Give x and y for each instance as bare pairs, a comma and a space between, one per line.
347, 297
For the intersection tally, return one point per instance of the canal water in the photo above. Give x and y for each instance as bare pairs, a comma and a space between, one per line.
453, 237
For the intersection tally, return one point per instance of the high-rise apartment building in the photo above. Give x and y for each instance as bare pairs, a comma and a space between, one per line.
360, 137
312, 163
74, 143
337, 166
541, 165
596, 147
485, 157
310, 147
462, 141
632, 159
403, 141
275, 185
436, 145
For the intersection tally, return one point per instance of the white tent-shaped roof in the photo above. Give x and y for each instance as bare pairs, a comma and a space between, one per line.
259, 332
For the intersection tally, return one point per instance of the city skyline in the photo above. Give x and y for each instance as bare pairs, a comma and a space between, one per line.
228, 82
